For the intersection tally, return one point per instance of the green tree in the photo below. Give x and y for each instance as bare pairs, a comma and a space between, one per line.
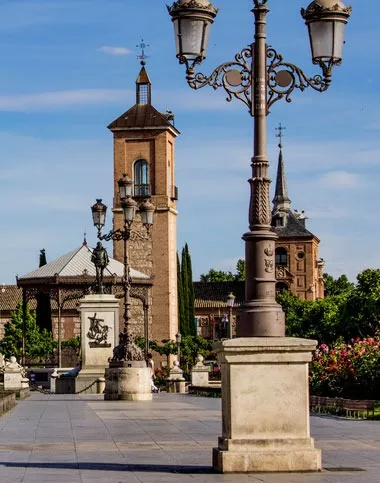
240, 270
43, 309
38, 342
184, 328
216, 276
220, 276
337, 286
320, 319
190, 314
181, 308
361, 315
191, 346
168, 347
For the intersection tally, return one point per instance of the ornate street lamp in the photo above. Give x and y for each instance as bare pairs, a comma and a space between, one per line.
230, 305
192, 21
127, 350
259, 77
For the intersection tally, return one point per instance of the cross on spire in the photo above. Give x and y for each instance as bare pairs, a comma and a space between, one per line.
280, 134
142, 56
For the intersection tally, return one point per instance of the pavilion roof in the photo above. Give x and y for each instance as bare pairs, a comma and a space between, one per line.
77, 263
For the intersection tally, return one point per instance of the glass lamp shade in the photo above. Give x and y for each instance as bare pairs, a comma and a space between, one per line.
125, 186
178, 338
192, 21
99, 211
129, 209
326, 21
230, 300
147, 210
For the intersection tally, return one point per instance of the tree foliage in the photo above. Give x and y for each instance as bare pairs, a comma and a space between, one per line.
38, 342
185, 293
220, 276
180, 297
190, 293
337, 286
348, 311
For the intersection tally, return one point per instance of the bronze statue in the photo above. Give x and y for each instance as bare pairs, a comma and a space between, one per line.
100, 260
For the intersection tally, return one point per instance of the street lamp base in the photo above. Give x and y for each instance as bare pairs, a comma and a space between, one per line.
128, 381
261, 318
265, 406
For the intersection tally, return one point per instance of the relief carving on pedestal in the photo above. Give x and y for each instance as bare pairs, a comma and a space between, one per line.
97, 333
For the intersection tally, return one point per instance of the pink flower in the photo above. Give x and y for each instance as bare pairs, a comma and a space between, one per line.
343, 353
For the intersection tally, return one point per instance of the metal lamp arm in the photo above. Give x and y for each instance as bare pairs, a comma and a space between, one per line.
115, 235
284, 77
234, 77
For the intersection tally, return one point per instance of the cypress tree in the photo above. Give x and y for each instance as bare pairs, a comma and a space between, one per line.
43, 309
181, 315
190, 313
185, 289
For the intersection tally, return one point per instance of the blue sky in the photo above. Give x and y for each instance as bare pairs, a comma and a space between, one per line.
68, 68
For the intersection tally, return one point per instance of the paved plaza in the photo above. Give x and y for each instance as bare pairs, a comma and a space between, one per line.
65, 438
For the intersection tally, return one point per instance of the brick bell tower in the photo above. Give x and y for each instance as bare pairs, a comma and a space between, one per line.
144, 149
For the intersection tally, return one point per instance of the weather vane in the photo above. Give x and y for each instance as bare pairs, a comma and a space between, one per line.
280, 133
143, 56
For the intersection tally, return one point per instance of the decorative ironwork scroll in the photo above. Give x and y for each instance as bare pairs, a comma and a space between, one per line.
284, 77
234, 77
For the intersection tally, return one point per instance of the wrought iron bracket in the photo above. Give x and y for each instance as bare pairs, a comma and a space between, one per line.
234, 77
284, 77
116, 235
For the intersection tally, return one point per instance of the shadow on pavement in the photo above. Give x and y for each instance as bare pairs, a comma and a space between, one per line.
146, 468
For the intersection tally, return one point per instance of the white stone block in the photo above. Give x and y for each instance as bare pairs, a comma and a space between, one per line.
265, 406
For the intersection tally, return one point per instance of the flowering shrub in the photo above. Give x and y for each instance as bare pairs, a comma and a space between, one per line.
347, 370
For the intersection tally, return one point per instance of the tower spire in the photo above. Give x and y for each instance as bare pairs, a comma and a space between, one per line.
143, 84
281, 200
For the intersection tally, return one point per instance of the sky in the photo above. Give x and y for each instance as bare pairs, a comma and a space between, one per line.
68, 68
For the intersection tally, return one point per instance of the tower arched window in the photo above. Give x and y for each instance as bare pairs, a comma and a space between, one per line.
141, 178
281, 257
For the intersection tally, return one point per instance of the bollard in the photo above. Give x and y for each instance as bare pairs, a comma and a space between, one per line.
100, 385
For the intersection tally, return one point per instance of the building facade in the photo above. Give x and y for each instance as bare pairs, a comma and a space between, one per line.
144, 141
298, 266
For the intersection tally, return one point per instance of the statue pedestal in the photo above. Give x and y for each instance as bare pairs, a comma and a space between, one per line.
265, 406
99, 335
128, 381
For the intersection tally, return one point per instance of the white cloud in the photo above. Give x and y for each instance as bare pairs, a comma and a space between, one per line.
63, 99
114, 50
340, 179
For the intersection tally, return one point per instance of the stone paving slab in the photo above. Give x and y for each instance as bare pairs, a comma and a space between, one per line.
70, 439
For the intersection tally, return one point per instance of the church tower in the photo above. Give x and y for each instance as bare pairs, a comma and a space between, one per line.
298, 267
144, 149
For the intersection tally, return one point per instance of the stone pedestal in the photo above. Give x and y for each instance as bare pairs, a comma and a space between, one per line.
127, 381
200, 373
265, 406
99, 336
14, 376
176, 383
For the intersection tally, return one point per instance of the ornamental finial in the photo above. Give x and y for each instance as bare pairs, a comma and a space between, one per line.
142, 57
280, 134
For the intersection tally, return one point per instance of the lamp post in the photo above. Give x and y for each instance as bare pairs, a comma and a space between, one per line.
178, 338
259, 77
127, 350
264, 373
230, 305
